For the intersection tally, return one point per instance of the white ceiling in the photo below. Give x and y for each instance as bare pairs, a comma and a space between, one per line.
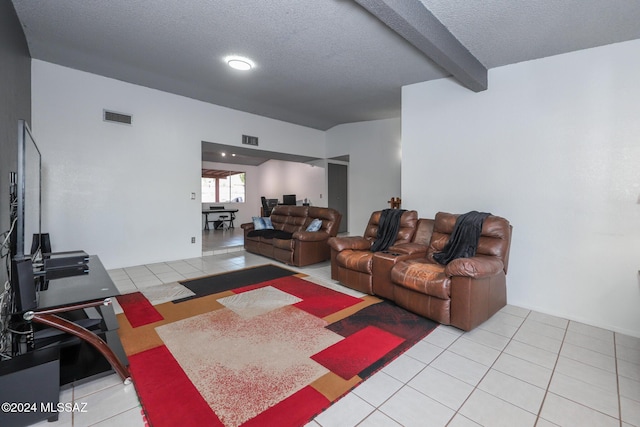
319, 62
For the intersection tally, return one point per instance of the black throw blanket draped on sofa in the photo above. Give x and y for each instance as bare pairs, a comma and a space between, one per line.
387, 229
463, 241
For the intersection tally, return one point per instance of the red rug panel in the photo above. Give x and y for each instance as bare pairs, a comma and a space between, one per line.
169, 397
358, 351
317, 300
294, 411
138, 309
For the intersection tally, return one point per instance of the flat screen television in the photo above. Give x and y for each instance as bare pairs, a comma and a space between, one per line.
28, 196
289, 199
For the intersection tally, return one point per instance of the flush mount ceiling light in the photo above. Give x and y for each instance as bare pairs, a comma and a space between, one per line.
239, 63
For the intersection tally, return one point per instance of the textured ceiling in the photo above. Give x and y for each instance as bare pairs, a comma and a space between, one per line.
318, 63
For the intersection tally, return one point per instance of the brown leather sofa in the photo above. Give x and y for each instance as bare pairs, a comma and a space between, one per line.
303, 247
464, 293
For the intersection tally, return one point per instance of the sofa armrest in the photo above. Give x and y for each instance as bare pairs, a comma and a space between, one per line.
352, 242
310, 236
409, 249
247, 226
476, 267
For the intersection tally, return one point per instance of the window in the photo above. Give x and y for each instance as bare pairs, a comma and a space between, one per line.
220, 186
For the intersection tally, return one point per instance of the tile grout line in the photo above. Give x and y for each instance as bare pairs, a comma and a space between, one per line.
574, 401
410, 379
553, 372
615, 357
456, 412
475, 387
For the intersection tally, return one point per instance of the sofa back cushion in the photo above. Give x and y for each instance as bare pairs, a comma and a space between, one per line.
495, 238
424, 230
408, 222
289, 218
330, 219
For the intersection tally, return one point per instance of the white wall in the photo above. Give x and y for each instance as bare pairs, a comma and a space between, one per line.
553, 147
123, 192
304, 180
374, 166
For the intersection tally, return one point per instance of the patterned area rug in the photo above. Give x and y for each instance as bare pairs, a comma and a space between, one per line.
276, 352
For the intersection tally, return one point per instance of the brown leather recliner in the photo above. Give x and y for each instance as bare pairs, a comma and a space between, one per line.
465, 292
351, 258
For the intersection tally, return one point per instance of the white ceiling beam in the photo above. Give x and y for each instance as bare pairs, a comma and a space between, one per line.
416, 24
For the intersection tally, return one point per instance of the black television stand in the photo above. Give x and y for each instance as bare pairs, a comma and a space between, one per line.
72, 295
40, 373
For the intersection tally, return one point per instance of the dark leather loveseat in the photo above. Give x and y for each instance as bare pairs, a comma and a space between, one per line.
463, 293
291, 243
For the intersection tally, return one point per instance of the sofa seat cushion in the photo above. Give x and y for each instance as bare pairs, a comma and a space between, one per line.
251, 236
359, 261
269, 234
287, 244
422, 276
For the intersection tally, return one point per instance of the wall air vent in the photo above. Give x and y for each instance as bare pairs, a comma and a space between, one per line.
250, 140
113, 117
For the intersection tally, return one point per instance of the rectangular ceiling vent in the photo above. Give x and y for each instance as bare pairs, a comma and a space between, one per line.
113, 117
250, 140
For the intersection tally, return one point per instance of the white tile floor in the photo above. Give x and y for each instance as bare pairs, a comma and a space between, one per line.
520, 368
